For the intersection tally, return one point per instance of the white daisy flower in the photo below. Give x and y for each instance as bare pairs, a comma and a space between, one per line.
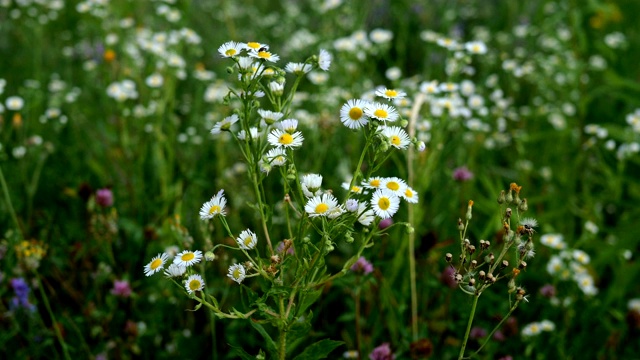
373, 182
335, 212
324, 60
398, 138
385, 203
476, 47
352, 114
214, 207
270, 117
288, 125
311, 184
531, 329
276, 157
352, 205
175, 270
554, 241
581, 256
390, 94
242, 135
188, 258
247, 63
194, 283
247, 240
365, 216
237, 273
255, 46
381, 111
429, 87
279, 138
154, 80
225, 124
410, 195
321, 205
266, 55
156, 264
14, 103
297, 68
354, 189
396, 185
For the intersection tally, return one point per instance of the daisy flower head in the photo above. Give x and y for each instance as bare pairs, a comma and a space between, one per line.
410, 195
253, 131
214, 207
385, 203
175, 270
390, 94
352, 205
311, 184
247, 240
276, 157
395, 185
554, 241
476, 47
324, 60
398, 138
381, 112
429, 87
224, 125
194, 283
188, 258
237, 273
280, 138
156, 264
270, 117
14, 103
365, 215
265, 55
322, 205
298, 69
288, 125
352, 114
255, 46
354, 189
373, 182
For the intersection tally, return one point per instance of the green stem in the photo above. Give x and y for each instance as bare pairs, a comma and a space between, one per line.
466, 335
56, 329
5, 190
282, 339
515, 305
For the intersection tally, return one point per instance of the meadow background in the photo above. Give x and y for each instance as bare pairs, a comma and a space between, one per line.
106, 158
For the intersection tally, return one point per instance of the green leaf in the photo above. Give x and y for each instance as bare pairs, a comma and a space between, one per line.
239, 352
319, 350
309, 298
271, 345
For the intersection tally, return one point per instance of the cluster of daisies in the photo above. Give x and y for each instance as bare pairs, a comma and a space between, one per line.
245, 53
384, 202
569, 264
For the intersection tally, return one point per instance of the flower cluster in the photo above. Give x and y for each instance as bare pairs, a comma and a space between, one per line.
569, 264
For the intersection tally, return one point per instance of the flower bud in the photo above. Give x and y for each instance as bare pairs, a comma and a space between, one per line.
474, 263
509, 197
522, 265
501, 197
507, 213
523, 205
209, 256
482, 274
472, 282
471, 249
460, 225
409, 229
448, 257
504, 264
469, 208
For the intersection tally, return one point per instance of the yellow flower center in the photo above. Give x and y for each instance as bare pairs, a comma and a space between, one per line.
264, 55
380, 113
285, 139
321, 208
194, 284
214, 209
247, 240
155, 264
408, 193
392, 185
355, 189
391, 93
230, 52
374, 183
236, 273
355, 113
188, 256
384, 203
395, 140
253, 45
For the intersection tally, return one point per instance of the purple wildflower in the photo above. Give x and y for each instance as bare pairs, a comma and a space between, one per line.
477, 332
382, 352
548, 291
385, 223
121, 288
362, 266
21, 299
104, 197
447, 277
462, 173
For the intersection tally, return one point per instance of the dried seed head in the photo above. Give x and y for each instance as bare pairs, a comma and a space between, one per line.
501, 197
460, 225
472, 282
471, 249
522, 265
507, 213
504, 264
523, 205
474, 264
482, 274
448, 257
458, 277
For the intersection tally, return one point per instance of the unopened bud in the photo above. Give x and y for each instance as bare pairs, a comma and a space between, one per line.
409, 229
523, 205
209, 256
482, 274
489, 258
460, 225
448, 257
501, 197
511, 285
509, 197
469, 215
516, 199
